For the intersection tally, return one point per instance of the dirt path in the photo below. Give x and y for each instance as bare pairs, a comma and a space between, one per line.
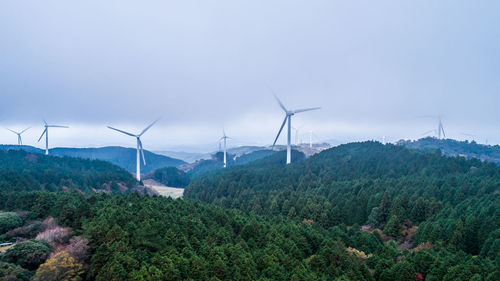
173, 192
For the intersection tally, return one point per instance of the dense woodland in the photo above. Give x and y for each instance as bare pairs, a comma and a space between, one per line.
362, 211
452, 202
136, 237
22, 171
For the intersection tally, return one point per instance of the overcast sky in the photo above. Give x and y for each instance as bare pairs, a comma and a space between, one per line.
373, 66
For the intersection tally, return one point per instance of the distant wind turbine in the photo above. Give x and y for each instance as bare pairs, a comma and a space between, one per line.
297, 133
19, 139
140, 150
440, 129
46, 133
470, 135
288, 117
224, 138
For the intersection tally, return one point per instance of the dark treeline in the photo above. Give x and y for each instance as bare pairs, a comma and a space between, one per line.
22, 171
169, 176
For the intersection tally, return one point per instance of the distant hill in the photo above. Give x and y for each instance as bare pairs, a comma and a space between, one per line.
24, 171
217, 162
121, 156
188, 157
451, 147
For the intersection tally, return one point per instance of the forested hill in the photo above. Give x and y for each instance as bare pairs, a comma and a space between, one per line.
453, 201
121, 156
217, 162
23, 171
451, 147
171, 176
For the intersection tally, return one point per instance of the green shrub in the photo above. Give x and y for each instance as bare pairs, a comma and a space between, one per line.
9, 221
28, 254
9, 271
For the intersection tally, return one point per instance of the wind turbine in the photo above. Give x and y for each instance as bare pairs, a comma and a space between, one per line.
297, 133
46, 133
19, 139
440, 129
470, 135
288, 117
310, 139
224, 137
140, 150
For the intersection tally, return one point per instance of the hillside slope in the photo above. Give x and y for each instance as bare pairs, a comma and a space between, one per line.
385, 186
23, 171
120, 156
449, 147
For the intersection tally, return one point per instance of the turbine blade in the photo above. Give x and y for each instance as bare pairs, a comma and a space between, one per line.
306, 109
142, 152
57, 126
12, 131
123, 132
427, 132
44, 131
281, 129
24, 130
280, 103
147, 128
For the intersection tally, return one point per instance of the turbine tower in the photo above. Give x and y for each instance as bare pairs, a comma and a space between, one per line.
19, 139
310, 139
140, 150
440, 128
46, 133
288, 117
224, 138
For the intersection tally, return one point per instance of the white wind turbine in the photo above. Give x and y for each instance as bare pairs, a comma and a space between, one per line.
297, 133
288, 117
46, 133
440, 128
19, 139
224, 137
140, 150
